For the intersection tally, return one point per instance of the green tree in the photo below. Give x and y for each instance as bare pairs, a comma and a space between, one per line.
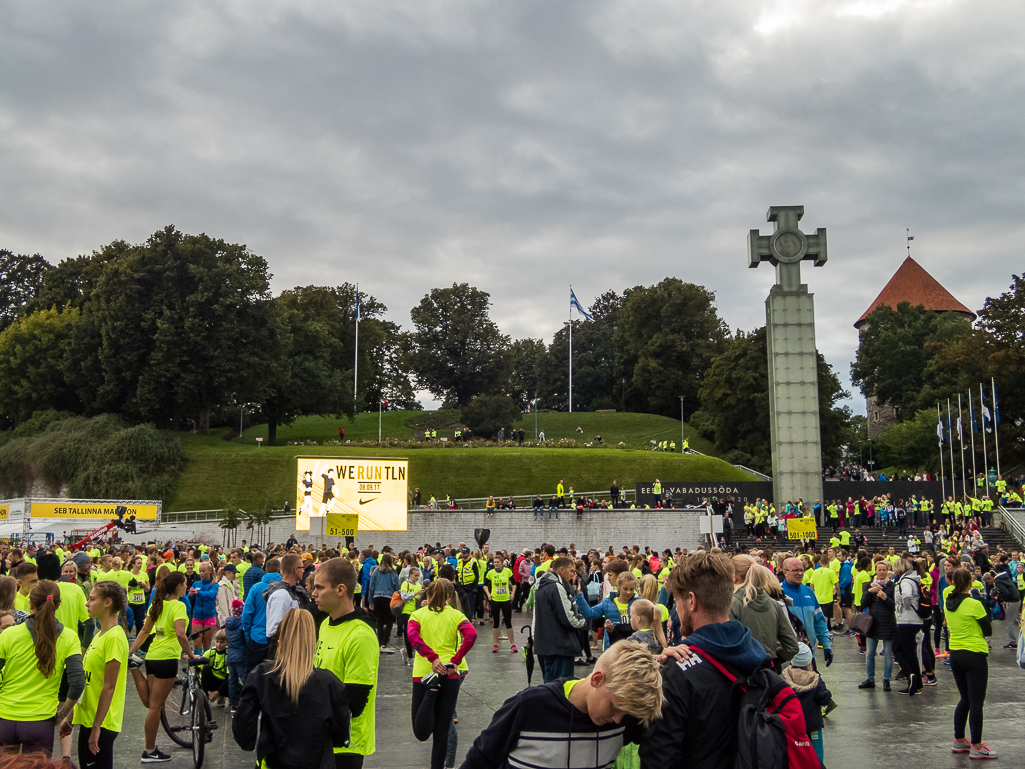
32, 351
173, 328
735, 399
455, 350
21, 280
911, 444
527, 377
485, 414
666, 338
895, 360
302, 379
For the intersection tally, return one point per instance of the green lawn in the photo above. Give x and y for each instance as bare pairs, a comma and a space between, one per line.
634, 430
221, 473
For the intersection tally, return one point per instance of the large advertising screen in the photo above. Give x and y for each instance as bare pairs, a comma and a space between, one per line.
373, 489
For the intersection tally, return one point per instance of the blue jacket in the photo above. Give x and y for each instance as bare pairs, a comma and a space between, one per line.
365, 572
254, 614
236, 640
204, 605
806, 609
383, 585
253, 575
606, 610
845, 577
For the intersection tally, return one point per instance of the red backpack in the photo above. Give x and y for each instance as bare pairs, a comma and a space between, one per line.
771, 733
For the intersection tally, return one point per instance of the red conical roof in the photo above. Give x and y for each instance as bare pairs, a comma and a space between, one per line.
911, 283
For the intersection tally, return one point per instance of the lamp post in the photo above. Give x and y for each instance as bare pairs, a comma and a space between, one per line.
241, 414
682, 436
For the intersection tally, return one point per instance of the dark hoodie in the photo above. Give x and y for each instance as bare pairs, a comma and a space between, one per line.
533, 728
699, 716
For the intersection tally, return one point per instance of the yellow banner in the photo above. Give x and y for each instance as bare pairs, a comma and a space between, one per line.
4, 512
69, 509
801, 528
373, 489
342, 525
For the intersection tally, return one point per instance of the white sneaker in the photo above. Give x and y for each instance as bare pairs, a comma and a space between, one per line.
387, 650
405, 656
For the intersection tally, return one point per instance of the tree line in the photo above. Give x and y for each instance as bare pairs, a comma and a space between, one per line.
182, 331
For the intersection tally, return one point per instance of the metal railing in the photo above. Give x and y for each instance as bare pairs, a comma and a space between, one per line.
1014, 521
522, 500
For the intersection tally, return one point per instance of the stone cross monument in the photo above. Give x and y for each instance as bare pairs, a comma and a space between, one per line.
793, 362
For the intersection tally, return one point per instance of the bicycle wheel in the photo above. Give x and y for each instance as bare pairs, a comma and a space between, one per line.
199, 729
175, 717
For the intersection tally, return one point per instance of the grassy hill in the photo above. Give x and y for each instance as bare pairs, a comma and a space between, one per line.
633, 430
221, 472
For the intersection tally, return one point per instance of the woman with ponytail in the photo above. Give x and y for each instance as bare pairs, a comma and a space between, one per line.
33, 657
167, 620
100, 713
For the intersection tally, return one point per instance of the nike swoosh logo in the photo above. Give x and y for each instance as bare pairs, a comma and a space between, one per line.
364, 501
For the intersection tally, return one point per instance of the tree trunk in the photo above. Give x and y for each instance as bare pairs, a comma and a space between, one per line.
272, 431
203, 428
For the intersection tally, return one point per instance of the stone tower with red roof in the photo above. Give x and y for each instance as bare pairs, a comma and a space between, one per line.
910, 283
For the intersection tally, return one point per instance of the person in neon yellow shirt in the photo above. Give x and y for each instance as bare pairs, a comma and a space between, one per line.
500, 591
167, 620
100, 713
33, 669
823, 584
27, 576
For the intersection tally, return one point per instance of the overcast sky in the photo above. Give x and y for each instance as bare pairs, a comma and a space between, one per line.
524, 146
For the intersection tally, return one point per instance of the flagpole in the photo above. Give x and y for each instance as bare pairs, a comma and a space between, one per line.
571, 352
355, 361
951, 439
960, 440
971, 413
996, 423
939, 423
985, 454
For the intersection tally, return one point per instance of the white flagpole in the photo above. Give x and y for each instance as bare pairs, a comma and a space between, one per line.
939, 421
971, 415
996, 427
960, 440
355, 362
985, 454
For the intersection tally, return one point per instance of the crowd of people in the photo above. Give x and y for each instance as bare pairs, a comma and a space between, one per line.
290, 640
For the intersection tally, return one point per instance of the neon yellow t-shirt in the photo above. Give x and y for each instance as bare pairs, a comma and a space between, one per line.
822, 581
624, 611
861, 578
21, 602
965, 633
543, 566
137, 595
501, 581
165, 644
806, 579
348, 648
440, 631
25, 695
410, 587
112, 645
72, 606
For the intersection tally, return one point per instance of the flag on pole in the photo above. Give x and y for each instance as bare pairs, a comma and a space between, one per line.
987, 418
939, 428
357, 304
960, 436
950, 428
574, 302
996, 406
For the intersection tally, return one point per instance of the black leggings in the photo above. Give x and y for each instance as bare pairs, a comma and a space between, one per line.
444, 710
403, 624
385, 619
928, 655
971, 674
30, 736
905, 650
102, 760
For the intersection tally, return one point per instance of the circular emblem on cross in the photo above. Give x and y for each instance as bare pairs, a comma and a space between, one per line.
789, 246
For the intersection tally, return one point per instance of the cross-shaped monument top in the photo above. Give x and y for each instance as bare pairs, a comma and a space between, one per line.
787, 246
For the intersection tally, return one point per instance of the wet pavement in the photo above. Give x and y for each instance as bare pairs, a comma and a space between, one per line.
870, 729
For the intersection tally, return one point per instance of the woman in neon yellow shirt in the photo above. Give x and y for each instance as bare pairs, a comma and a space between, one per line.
969, 624
34, 656
100, 713
167, 620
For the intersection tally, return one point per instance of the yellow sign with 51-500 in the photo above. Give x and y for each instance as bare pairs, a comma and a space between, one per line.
372, 489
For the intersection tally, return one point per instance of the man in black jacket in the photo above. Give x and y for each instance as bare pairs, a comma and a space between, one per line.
556, 621
699, 716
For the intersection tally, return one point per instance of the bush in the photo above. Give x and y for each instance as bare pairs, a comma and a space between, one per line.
486, 414
92, 458
703, 424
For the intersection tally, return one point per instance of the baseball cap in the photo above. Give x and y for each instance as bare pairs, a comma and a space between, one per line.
231, 567
465, 551
168, 555
307, 556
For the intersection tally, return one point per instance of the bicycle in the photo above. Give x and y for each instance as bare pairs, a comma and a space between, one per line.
186, 716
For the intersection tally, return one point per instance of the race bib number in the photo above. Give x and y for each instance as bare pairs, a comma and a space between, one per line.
137, 597
502, 590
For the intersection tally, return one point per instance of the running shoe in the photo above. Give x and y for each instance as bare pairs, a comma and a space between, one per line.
861, 652
405, 656
156, 757
514, 649
387, 650
494, 649
135, 661
982, 752
961, 746
430, 680
886, 686
929, 681
1011, 645
941, 655
867, 684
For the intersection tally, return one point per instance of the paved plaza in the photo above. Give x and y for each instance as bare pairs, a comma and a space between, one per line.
870, 729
